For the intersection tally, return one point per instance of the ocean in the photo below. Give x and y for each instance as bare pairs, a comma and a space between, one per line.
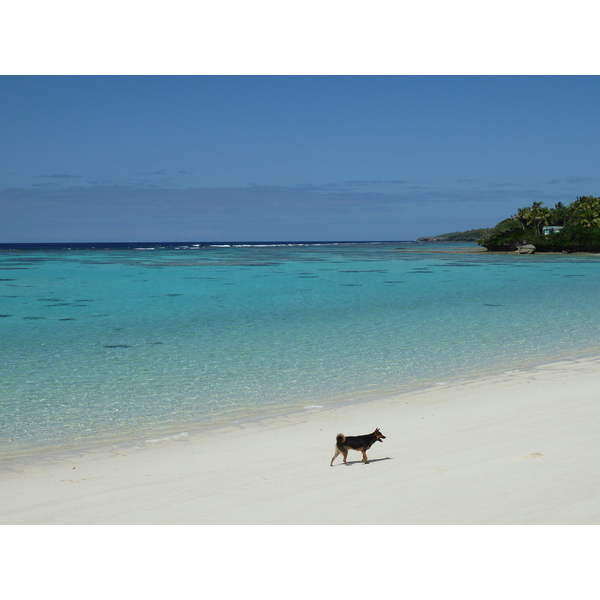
109, 342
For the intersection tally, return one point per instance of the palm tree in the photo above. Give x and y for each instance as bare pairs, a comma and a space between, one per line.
588, 217
586, 210
558, 214
540, 216
523, 217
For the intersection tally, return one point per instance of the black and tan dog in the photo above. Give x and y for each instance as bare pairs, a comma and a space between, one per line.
361, 443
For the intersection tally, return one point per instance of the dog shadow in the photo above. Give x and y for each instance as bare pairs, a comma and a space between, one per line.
360, 462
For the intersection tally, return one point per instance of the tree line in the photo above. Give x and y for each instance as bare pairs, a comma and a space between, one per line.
578, 228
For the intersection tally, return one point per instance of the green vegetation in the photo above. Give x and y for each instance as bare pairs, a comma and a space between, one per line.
579, 225
472, 235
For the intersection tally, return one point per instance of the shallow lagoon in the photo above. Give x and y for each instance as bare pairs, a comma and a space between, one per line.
148, 340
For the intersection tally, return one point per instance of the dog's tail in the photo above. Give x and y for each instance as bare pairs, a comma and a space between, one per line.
340, 438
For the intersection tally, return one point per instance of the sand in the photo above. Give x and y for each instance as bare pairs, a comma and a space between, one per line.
517, 448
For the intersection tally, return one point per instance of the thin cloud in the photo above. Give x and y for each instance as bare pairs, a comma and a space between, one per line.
571, 180
367, 182
137, 209
289, 202
579, 179
61, 176
290, 199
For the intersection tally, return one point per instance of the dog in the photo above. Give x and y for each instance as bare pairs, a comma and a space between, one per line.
361, 443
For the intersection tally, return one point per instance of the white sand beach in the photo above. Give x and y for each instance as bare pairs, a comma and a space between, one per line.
519, 448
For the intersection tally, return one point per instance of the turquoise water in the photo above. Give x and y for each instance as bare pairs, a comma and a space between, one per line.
114, 343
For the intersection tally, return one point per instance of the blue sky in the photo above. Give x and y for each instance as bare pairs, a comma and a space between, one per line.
257, 158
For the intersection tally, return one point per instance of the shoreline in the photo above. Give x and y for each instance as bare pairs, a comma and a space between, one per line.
47, 415
510, 448
252, 417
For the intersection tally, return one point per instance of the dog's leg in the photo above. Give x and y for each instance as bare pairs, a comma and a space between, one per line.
364, 457
337, 451
345, 454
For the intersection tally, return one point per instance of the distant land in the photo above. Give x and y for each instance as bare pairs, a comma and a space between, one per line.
537, 228
472, 235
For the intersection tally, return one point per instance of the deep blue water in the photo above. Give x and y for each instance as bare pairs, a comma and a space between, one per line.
107, 341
